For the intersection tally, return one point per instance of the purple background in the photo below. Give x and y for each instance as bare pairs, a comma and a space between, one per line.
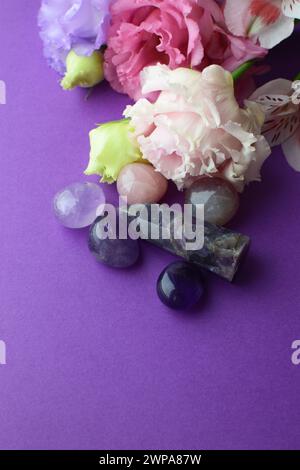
93, 359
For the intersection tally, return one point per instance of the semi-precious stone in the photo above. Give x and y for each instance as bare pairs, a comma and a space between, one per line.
114, 252
140, 183
78, 205
180, 286
222, 250
220, 199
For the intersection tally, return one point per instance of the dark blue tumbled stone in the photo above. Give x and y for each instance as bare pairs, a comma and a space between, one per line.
113, 252
180, 286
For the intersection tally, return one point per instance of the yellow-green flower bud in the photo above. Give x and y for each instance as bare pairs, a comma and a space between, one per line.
112, 147
83, 71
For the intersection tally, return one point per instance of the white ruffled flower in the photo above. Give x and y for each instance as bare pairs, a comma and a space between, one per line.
196, 127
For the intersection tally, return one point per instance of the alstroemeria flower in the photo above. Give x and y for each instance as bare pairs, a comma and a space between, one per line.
196, 127
269, 21
280, 101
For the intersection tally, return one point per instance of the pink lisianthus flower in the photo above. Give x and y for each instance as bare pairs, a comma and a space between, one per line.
267, 21
280, 101
182, 33
196, 127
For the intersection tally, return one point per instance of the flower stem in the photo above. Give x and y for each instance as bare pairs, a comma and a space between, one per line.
237, 73
297, 77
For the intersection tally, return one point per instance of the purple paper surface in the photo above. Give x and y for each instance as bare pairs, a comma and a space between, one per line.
94, 360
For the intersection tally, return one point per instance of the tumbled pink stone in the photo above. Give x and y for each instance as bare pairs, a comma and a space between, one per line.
141, 184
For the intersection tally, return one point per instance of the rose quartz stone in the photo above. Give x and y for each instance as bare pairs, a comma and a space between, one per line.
141, 184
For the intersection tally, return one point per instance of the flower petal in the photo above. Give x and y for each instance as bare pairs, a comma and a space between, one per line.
291, 150
273, 34
262, 19
112, 147
80, 25
278, 130
195, 126
291, 8
282, 114
278, 87
238, 16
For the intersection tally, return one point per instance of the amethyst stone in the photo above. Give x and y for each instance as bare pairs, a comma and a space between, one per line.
222, 251
113, 252
180, 286
78, 205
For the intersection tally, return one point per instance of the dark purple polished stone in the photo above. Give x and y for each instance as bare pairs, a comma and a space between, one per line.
113, 252
222, 251
180, 286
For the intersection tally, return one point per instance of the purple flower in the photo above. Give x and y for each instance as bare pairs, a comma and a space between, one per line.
72, 24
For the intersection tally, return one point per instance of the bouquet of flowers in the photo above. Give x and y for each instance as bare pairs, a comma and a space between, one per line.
187, 65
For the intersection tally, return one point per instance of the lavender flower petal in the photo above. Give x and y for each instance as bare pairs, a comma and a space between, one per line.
72, 24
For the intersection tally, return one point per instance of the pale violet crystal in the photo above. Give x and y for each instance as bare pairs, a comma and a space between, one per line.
79, 204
